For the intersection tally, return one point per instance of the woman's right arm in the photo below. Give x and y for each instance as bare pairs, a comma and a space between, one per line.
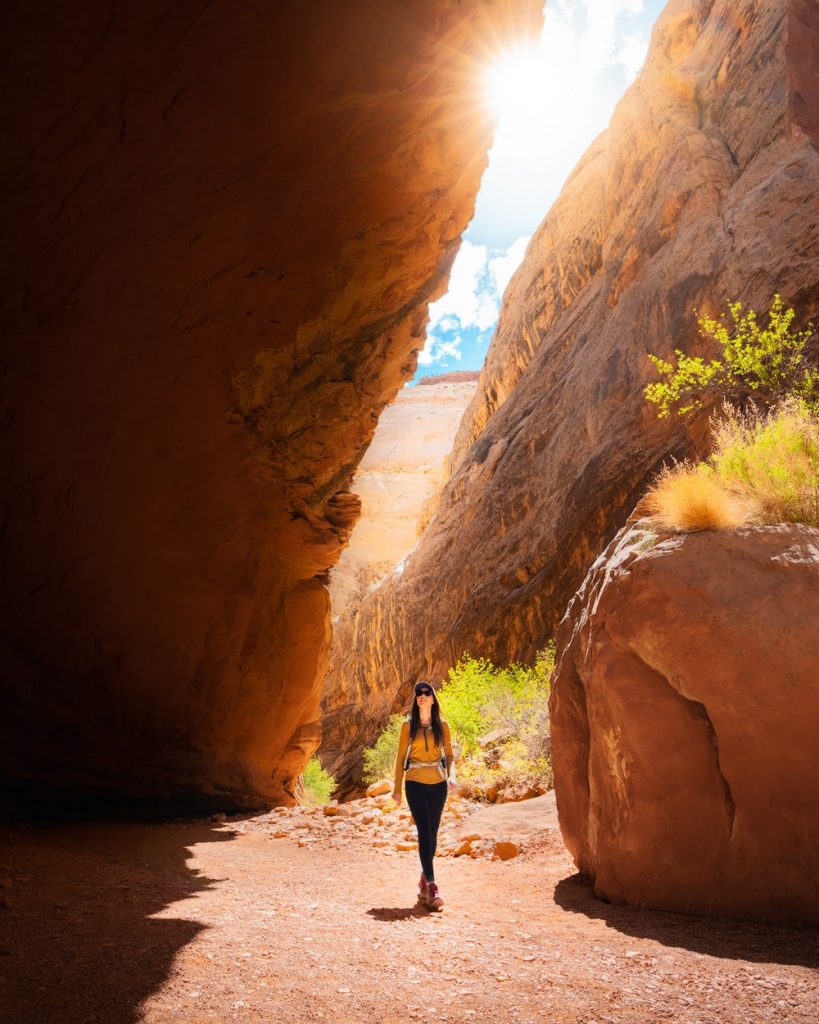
403, 740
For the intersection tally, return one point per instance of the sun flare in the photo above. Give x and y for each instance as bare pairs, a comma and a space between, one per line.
514, 81
547, 102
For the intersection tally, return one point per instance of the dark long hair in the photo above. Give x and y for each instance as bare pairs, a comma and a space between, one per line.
435, 715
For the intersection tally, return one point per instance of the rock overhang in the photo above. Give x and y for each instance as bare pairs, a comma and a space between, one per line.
224, 229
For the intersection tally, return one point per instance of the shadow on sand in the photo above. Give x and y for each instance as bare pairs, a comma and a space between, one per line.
711, 936
389, 914
80, 939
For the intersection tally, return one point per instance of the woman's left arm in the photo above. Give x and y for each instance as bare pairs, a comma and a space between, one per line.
450, 758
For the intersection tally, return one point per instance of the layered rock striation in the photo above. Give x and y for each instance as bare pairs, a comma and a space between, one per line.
684, 709
222, 227
703, 188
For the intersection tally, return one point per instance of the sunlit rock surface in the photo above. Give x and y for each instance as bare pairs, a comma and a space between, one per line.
703, 188
222, 225
684, 711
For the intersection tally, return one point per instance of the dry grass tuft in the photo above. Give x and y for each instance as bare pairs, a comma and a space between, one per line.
689, 498
772, 459
764, 469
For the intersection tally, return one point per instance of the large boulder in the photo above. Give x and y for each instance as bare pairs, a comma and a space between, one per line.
222, 225
702, 188
685, 717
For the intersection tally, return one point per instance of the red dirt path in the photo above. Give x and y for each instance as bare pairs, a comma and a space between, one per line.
189, 923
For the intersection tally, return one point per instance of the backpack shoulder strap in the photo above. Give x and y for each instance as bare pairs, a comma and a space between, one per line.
409, 742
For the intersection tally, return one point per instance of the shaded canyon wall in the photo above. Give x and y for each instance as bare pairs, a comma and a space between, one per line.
221, 229
703, 188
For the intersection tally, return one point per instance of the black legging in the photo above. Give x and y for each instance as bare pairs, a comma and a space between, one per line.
426, 802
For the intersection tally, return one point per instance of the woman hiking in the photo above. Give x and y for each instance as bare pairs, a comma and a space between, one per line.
424, 760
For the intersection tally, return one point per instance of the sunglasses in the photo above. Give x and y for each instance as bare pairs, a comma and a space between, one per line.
423, 693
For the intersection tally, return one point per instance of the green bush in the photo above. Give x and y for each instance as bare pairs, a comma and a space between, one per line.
763, 364
379, 760
511, 704
477, 700
468, 689
318, 783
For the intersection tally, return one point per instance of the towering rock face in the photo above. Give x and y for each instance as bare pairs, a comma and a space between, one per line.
703, 188
222, 226
684, 709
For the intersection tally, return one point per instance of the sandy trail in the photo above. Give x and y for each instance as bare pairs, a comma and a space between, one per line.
193, 923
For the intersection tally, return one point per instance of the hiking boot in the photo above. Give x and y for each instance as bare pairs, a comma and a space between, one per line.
434, 901
422, 888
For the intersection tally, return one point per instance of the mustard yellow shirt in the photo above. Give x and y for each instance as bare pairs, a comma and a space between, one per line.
423, 748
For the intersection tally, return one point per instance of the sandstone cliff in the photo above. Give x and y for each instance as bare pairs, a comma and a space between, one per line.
222, 226
703, 188
684, 709
453, 377
401, 471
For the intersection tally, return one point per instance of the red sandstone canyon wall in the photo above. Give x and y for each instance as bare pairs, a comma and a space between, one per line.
703, 188
221, 228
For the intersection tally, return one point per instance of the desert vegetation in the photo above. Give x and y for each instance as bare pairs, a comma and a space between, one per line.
379, 759
318, 784
499, 719
764, 469
764, 464
756, 364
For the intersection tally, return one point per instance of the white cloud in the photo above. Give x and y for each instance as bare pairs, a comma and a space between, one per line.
467, 300
451, 349
502, 267
597, 45
448, 323
438, 349
476, 285
632, 55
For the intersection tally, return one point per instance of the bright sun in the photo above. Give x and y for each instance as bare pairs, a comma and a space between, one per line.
515, 81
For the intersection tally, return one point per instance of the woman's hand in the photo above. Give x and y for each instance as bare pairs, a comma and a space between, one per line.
396, 795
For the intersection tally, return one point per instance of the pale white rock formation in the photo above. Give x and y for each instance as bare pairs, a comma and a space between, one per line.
401, 471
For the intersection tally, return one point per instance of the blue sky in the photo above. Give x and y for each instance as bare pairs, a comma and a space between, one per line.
551, 101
